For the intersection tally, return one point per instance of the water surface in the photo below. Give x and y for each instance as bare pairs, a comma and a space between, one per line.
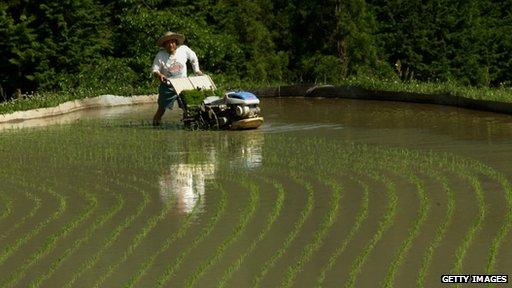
328, 192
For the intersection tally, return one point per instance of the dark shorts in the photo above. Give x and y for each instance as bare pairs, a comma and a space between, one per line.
166, 97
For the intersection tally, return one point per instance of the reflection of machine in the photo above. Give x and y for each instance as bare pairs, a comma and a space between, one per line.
246, 152
234, 110
197, 163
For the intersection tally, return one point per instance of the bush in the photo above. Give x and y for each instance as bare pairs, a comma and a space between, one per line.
322, 69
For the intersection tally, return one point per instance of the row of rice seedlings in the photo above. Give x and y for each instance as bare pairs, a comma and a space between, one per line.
245, 217
6, 203
17, 180
276, 211
413, 231
150, 224
440, 231
385, 223
383, 159
33, 210
327, 222
13, 247
421, 218
50, 243
304, 215
362, 215
457, 165
506, 225
446, 163
98, 223
393, 154
424, 159
463, 168
112, 237
146, 229
171, 269
499, 238
182, 230
461, 251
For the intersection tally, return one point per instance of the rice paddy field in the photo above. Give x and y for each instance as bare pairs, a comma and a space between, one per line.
327, 193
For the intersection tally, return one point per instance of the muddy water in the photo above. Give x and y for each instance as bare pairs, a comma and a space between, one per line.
328, 193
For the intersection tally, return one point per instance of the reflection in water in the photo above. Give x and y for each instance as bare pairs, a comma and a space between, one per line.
68, 118
186, 181
249, 154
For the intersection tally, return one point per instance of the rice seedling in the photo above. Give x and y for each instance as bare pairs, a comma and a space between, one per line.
475, 227
412, 233
384, 224
440, 231
111, 238
99, 222
270, 221
13, 247
6, 203
245, 217
506, 225
148, 227
295, 230
360, 218
168, 242
316, 165
319, 235
171, 270
34, 208
51, 241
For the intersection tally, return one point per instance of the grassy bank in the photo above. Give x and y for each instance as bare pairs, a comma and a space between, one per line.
51, 99
499, 94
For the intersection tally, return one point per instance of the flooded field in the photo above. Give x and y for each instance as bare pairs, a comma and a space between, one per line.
327, 193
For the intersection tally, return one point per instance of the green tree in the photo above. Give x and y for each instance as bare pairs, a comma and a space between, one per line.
49, 40
333, 39
442, 40
248, 21
354, 39
218, 52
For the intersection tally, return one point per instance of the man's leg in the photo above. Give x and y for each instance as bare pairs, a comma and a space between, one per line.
157, 119
165, 100
164, 94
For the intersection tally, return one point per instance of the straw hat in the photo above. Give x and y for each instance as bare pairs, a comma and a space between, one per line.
168, 36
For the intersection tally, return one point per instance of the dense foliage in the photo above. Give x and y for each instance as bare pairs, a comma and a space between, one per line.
65, 45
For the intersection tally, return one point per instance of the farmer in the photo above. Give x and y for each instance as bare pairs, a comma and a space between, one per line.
171, 62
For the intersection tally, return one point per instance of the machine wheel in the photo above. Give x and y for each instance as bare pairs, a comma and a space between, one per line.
214, 120
202, 123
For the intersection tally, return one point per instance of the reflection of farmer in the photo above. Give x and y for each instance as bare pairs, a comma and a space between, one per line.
186, 179
171, 62
186, 182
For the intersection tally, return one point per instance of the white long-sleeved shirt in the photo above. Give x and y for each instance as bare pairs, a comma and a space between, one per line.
175, 66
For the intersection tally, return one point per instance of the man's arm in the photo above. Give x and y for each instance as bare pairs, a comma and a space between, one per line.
159, 76
155, 69
192, 57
